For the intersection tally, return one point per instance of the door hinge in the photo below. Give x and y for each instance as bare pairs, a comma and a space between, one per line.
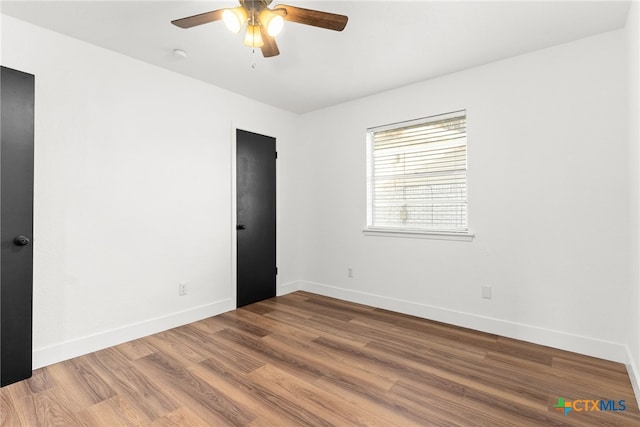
276, 154
276, 271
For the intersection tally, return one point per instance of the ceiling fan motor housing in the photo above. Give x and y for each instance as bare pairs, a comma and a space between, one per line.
263, 23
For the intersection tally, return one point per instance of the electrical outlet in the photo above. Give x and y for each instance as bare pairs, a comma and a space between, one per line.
350, 272
486, 292
182, 289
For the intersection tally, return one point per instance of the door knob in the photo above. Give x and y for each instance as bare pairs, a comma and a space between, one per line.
240, 227
21, 241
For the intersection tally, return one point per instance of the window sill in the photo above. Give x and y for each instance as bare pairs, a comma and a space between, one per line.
419, 234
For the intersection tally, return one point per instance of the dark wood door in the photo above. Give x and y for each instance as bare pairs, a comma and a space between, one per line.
256, 216
16, 223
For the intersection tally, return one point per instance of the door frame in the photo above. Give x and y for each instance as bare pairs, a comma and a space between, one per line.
234, 208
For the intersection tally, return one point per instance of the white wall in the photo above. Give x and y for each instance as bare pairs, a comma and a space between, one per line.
633, 78
133, 192
548, 201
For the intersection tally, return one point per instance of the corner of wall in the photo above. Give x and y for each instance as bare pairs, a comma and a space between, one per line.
632, 371
632, 30
289, 287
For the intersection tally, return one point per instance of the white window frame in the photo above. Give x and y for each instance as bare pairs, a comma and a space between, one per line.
461, 234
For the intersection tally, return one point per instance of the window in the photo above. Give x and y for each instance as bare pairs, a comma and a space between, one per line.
417, 176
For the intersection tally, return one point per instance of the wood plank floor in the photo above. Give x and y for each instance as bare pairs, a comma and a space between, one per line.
309, 360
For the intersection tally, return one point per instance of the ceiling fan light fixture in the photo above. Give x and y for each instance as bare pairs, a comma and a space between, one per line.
271, 21
263, 23
234, 18
253, 37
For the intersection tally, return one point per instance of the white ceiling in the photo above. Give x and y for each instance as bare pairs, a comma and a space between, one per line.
386, 44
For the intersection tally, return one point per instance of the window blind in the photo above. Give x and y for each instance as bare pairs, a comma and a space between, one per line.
417, 175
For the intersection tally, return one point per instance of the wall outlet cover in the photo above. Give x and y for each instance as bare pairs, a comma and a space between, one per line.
486, 292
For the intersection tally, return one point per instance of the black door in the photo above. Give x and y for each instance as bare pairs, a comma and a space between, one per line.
16, 222
256, 215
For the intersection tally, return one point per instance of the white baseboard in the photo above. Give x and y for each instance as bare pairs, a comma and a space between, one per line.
45, 356
287, 288
580, 344
634, 375
548, 337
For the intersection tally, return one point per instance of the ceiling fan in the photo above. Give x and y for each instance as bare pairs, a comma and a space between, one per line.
263, 23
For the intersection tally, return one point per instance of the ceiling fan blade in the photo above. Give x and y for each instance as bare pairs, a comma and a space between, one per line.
270, 47
316, 18
195, 20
